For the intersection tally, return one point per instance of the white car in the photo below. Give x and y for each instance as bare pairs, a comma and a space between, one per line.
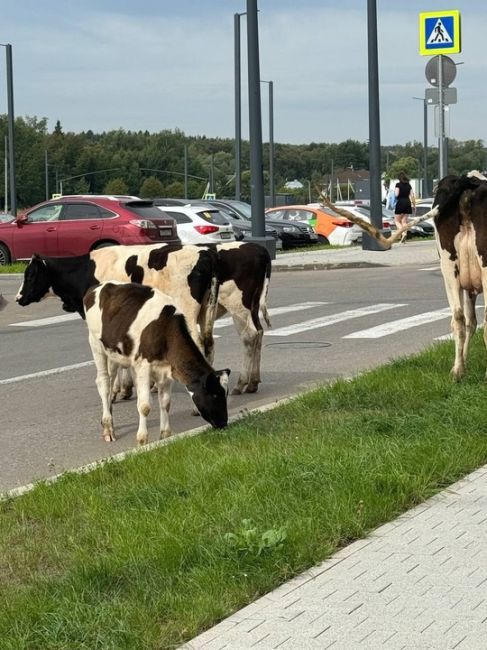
363, 211
200, 224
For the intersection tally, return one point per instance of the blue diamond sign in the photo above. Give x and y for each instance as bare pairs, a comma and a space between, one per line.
439, 32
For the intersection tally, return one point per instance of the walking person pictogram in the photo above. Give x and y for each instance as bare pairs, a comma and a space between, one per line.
439, 34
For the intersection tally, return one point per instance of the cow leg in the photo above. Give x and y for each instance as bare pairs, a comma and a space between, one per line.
470, 320
164, 390
249, 378
455, 300
126, 383
142, 384
103, 384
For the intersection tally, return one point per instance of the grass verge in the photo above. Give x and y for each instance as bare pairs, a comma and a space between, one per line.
16, 267
150, 551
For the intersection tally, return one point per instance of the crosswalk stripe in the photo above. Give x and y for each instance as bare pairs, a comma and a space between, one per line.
52, 320
46, 373
275, 311
324, 321
399, 325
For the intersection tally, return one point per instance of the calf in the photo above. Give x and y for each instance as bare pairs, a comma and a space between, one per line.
461, 235
139, 327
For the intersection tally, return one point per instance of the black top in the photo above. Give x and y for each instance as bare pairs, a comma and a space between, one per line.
403, 205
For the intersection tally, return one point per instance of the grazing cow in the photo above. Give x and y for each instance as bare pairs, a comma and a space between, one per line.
138, 327
461, 235
244, 271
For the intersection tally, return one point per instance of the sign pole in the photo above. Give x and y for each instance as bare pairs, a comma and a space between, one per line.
441, 123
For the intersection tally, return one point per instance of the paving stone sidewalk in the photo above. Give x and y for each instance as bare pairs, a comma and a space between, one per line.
416, 583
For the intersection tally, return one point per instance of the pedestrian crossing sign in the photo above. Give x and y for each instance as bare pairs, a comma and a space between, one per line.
439, 32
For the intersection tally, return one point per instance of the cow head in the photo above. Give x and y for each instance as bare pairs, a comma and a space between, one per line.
209, 393
36, 284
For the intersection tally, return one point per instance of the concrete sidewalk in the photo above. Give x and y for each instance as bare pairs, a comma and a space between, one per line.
413, 252
417, 583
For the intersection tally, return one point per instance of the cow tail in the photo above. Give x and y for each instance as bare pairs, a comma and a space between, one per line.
263, 295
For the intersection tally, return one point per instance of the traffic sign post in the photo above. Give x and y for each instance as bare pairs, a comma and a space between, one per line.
439, 34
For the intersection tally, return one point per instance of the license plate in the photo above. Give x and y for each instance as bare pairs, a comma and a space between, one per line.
226, 235
165, 232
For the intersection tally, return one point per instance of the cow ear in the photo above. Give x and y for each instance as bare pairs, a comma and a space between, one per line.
37, 258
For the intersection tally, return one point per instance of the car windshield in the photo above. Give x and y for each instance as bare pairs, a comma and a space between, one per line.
244, 208
146, 210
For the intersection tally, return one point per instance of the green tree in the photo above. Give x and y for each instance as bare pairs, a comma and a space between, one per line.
116, 186
151, 187
407, 164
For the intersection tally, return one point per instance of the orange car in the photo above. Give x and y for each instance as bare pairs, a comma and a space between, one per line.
330, 227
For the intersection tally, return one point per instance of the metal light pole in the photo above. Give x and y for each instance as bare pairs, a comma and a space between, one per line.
272, 191
368, 242
6, 174
425, 145
238, 108
11, 132
46, 174
255, 133
185, 171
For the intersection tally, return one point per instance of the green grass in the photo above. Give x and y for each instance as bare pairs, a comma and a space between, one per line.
150, 551
16, 267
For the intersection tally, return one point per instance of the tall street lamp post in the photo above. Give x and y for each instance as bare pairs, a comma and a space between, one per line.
425, 145
238, 108
368, 242
272, 190
11, 134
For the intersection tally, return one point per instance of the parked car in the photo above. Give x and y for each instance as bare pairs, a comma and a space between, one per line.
77, 224
199, 223
290, 235
330, 227
363, 210
239, 215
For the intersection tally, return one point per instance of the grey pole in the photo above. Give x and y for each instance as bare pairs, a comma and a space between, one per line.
272, 191
6, 174
185, 171
271, 144
441, 121
46, 174
255, 123
368, 242
425, 145
331, 181
11, 133
238, 109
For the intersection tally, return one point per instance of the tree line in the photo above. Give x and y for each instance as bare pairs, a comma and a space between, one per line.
153, 164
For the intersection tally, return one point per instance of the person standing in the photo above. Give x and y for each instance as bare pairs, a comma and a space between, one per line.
405, 204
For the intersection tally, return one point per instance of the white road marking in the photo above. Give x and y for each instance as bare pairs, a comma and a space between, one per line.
46, 373
275, 311
324, 321
52, 320
431, 268
399, 325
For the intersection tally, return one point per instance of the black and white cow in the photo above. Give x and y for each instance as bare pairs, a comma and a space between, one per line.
242, 272
187, 274
461, 235
136, 326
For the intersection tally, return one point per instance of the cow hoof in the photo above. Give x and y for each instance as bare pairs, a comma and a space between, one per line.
195, 411
126, 394
108, 437
236, 391
166, 434
251, 388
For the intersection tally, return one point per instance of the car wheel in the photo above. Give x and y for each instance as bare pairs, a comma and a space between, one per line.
323, 240
104, 244
4, 255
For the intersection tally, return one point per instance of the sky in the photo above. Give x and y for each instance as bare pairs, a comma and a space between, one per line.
169, 64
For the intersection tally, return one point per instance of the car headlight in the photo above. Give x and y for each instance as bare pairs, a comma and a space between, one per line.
290, 229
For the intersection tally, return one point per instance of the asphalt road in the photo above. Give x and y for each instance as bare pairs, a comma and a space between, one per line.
322, 322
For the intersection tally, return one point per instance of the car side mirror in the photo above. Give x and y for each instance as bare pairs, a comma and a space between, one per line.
20, 219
